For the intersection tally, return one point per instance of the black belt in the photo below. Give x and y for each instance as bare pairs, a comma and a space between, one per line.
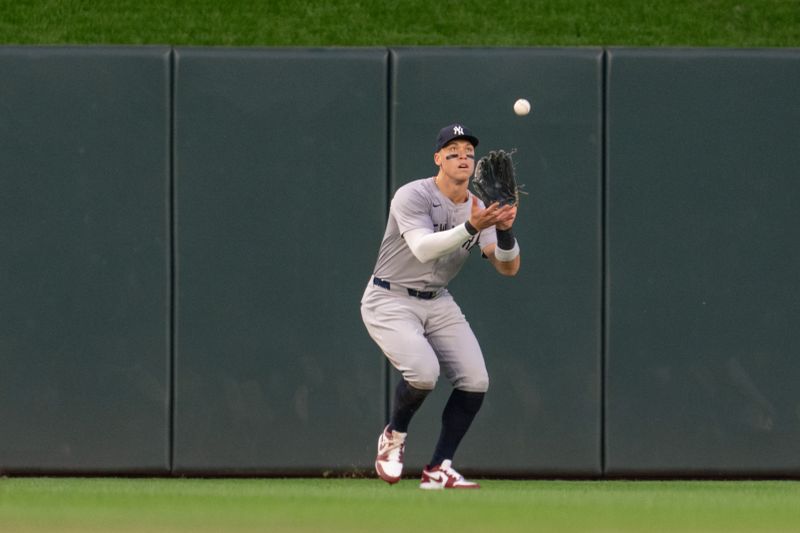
423, 295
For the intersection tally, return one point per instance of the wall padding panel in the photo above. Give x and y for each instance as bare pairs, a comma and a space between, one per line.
539, 331
703, 158
84, 250
281, 182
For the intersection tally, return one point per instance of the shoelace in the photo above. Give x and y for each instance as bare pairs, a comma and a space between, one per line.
394, 448
451, 472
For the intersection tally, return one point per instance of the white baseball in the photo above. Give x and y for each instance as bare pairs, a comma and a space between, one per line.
522, 107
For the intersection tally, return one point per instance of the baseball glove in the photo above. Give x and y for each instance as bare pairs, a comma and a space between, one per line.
494, 179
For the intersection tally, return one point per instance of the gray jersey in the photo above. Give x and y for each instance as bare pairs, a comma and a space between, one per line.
420, 204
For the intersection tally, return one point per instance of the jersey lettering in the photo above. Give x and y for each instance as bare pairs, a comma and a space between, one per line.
472, 242
442, 227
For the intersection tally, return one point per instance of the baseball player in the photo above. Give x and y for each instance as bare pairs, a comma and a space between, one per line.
434, 224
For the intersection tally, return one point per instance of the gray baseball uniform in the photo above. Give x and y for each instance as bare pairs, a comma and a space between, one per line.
422, 329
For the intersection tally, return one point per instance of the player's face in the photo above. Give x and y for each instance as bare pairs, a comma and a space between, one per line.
457, 159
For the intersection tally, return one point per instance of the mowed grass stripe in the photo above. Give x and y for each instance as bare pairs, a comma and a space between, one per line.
754, 23
102, 504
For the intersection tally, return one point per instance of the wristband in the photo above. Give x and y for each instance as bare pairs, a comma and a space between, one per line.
506, 255
505, 239
472, 230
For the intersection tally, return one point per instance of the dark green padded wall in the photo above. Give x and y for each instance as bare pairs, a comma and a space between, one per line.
84, 273
540, 331
281, 183
282, 174
703, 190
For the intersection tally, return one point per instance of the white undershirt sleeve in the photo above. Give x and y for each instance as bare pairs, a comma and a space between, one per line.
427, 245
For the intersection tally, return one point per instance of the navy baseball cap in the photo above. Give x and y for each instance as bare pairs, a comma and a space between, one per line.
452, 132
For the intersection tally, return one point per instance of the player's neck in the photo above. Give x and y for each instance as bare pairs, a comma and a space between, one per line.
455, 189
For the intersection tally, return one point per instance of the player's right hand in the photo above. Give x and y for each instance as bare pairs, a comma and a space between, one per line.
494, 214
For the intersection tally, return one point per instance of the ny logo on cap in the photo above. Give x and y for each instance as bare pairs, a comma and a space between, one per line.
458, 130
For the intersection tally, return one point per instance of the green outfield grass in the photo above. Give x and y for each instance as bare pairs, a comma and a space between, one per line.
345, 505
741, 23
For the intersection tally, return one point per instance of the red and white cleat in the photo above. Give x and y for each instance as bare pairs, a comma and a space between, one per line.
444, 476
389, 462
